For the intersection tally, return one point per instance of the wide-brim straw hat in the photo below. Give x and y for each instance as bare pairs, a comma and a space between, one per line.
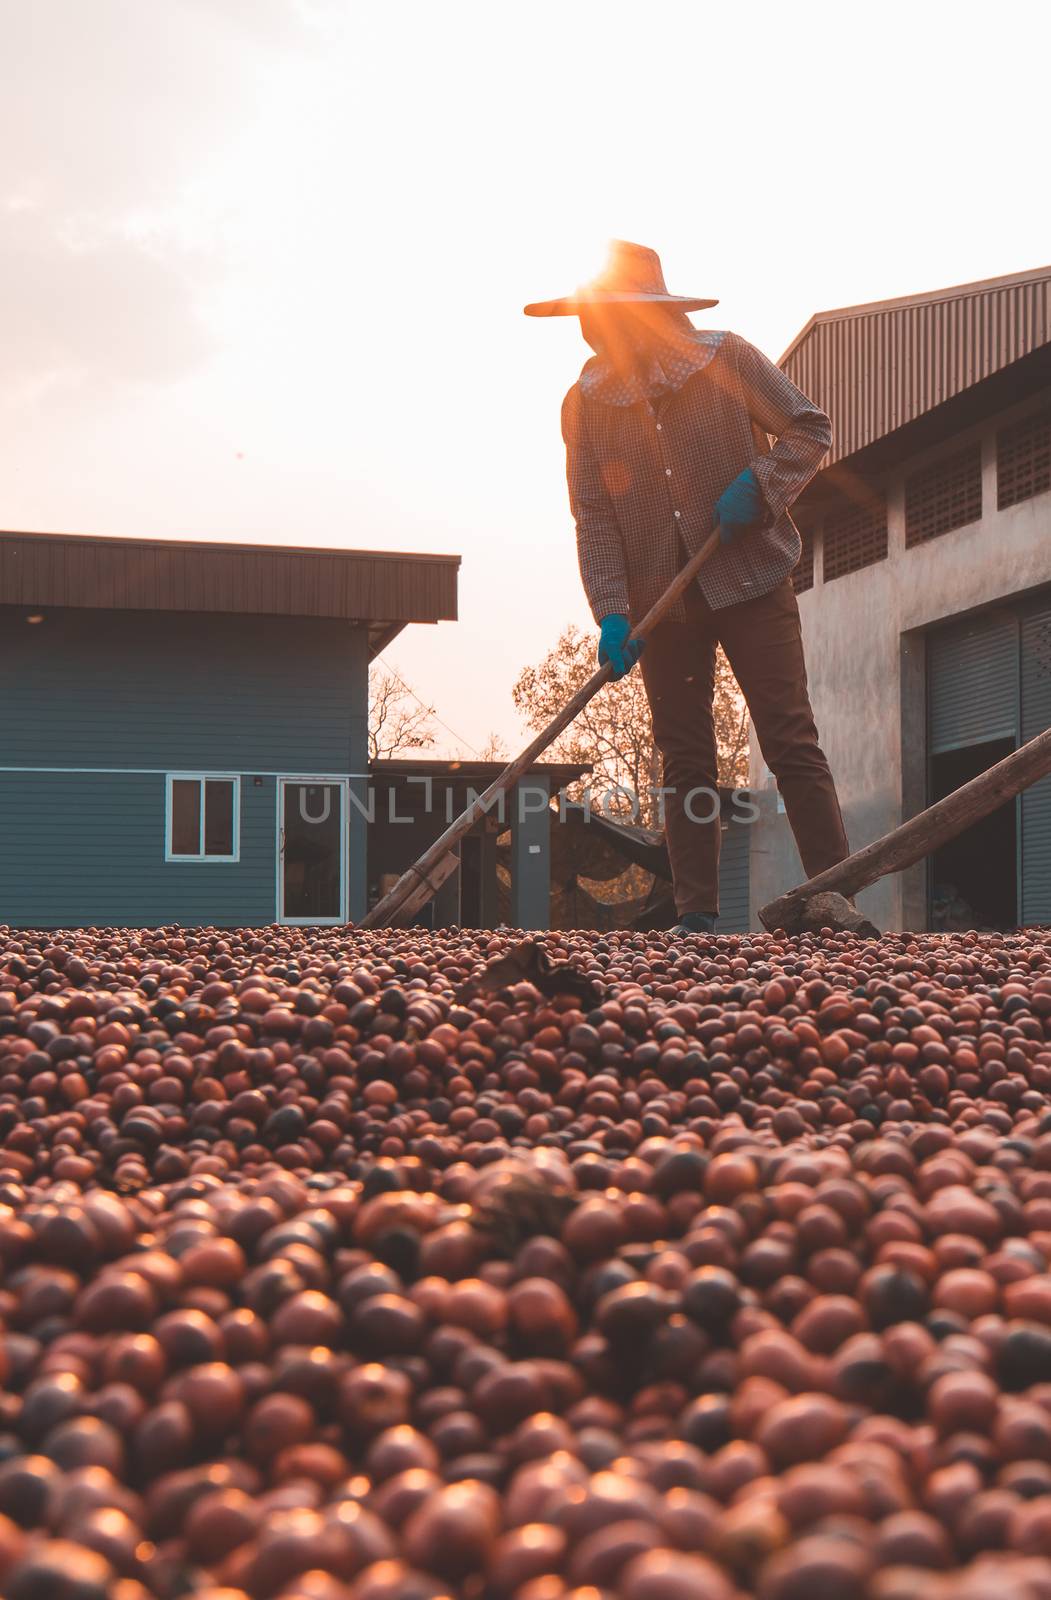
632, 276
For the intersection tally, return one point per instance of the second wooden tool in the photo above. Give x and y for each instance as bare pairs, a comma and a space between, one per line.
820, 901
423, 879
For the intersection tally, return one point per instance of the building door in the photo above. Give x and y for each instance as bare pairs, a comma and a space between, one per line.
311, 872
1036, 801
973, 722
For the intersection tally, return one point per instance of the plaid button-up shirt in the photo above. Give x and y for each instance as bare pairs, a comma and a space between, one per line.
642, 481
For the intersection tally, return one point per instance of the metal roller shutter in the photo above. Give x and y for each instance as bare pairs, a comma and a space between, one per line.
733, 878
973, 682
1036, 802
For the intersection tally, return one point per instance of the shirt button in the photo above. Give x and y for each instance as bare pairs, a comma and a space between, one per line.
667, 472
660, 427
678, 513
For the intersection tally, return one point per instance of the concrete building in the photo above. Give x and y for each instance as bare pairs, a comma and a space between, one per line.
925, 589
183, 726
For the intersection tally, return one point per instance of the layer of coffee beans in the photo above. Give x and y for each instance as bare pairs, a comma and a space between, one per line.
322, 1280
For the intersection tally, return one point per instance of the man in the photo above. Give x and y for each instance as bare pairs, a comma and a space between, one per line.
667, 435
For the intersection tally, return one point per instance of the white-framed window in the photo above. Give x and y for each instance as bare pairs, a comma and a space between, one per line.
202, 817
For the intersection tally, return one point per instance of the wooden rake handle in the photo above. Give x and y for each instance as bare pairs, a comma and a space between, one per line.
921, 835
422, 880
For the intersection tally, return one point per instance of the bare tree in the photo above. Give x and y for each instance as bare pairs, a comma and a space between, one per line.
731, 724
398, 720
614, 732
494, 749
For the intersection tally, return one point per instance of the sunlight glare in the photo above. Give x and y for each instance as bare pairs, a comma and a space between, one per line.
568, 263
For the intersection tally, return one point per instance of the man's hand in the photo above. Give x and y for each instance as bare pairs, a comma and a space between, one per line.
614, 647
740, 507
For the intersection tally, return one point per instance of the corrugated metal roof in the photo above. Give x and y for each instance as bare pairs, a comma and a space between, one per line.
401, 770
379, 587
876, 367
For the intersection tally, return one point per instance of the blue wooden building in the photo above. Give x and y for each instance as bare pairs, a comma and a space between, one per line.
183, 726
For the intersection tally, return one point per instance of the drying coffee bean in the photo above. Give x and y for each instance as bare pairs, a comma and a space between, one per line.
329, 1273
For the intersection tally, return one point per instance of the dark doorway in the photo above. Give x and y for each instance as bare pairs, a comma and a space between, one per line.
311, 848
974, 878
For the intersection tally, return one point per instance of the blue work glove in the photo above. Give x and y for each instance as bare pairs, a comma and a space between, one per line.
740, 507
613, 644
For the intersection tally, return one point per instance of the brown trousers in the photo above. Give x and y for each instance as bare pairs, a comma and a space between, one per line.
763, 644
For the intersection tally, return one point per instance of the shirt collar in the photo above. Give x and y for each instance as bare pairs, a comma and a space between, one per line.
671, 363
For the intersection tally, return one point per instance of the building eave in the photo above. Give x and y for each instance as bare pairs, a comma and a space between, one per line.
386, 588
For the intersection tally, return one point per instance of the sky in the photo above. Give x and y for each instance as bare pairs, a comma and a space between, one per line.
263, 262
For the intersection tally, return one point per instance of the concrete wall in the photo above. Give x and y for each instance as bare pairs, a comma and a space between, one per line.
863, 635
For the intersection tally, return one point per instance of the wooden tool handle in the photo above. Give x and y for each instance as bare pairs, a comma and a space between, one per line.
413, 889
921, 835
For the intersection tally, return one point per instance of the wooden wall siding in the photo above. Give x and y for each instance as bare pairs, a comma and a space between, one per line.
875, 368
133, 689
54, 570
87, 849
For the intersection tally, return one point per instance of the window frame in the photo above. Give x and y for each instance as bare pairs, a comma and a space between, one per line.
309, 781
202, 778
